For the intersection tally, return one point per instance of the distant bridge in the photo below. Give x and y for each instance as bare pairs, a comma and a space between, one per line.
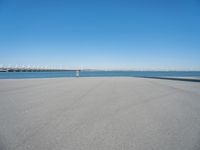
27, 69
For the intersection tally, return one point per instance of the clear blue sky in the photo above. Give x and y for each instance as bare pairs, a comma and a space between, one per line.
101, 34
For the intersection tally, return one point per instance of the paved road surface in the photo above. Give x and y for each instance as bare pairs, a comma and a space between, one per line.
99, 114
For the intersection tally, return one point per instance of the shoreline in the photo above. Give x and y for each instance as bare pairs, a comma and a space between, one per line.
187, 79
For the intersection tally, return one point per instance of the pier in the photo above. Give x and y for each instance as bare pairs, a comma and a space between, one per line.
99, 114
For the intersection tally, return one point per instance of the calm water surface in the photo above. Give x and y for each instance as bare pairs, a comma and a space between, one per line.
23, 75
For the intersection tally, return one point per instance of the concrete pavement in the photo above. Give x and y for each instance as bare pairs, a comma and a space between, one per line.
120, 113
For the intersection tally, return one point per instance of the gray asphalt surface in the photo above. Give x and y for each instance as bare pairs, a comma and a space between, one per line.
99, 114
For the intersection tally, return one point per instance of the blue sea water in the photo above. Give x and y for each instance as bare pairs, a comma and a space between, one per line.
23, 75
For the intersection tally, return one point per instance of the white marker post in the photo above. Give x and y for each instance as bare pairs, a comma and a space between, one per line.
77, 73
